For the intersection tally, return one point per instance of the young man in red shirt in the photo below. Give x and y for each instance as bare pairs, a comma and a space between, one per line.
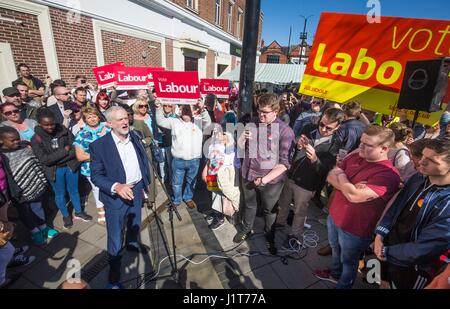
364, 184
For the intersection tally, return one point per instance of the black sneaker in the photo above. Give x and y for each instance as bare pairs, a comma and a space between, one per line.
68, 223
209, 217
241, 236
21, 260
83, 217
291, 243
270, 242
217, 224
21, 250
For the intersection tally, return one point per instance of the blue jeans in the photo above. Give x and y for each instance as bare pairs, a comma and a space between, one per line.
66, 180
180, 168
346, 251
6, 254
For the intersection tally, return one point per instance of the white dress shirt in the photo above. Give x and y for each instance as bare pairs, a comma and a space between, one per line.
129, 159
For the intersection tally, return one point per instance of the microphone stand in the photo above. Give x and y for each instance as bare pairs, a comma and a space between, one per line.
172, 209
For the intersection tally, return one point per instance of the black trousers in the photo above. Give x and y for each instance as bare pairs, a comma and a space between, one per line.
404, 277
28, 217
268, 196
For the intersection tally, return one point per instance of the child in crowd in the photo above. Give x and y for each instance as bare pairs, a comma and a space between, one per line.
219, 175
27, 184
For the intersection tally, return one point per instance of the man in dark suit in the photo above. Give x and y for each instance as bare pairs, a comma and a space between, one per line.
61, 109
120, 168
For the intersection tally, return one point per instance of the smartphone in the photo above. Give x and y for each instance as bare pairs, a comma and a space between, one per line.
305, 141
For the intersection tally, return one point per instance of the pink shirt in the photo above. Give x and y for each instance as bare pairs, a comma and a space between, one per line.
360, 219
3, 182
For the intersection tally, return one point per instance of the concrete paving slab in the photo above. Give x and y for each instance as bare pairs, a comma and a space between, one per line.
96, 236
296, 275
49, 273
263, 278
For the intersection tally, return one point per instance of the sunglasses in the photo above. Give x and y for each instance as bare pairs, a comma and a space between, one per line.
16, 111
142, 106
328, 128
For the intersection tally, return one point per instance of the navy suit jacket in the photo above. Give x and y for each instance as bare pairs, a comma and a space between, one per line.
107, 167
55, 110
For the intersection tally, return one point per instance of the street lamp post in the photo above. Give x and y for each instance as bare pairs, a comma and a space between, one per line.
304, 37
249, 50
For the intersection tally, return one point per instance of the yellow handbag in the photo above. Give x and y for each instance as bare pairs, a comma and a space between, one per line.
6, 234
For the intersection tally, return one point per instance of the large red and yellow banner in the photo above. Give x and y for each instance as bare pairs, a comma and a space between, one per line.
353, 59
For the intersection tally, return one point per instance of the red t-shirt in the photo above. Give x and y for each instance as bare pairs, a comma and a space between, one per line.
360, 219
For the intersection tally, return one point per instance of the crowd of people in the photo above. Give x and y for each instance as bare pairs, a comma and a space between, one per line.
387, 184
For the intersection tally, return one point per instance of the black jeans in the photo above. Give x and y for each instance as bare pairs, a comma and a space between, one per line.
268, 196
28, 217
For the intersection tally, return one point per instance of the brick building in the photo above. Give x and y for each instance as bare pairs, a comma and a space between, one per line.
275, 53
62, 41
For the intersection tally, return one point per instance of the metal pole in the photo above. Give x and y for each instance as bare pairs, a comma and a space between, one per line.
303, 40
303, 37
248, 61
288, 52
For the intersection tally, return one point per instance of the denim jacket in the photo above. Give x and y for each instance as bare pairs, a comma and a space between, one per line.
431, 233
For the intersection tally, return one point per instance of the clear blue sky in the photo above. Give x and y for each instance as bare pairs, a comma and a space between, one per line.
280, 15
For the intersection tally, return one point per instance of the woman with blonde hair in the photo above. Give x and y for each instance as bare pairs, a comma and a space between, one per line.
141, 110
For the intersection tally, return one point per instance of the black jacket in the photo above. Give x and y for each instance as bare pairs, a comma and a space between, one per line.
55, 110
312, 176
51, 158
350, 134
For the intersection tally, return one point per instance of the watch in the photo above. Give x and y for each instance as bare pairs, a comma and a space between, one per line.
383, 252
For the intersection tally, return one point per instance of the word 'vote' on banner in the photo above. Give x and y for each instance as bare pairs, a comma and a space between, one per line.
352, 59
177, 87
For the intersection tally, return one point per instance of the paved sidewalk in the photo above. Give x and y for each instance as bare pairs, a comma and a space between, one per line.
248, 265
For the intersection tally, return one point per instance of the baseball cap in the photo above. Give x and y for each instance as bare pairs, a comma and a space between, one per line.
11, 92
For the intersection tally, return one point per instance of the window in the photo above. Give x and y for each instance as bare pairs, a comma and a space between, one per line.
192, 4
239, 23
218, 7
190, 64
221, 68
273, 59
230, 17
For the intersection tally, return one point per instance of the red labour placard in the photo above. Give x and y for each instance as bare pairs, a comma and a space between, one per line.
105, 74
177, 87
219, 87
132, 78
